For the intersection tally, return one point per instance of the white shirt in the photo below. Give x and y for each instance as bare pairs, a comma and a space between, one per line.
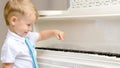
15, 50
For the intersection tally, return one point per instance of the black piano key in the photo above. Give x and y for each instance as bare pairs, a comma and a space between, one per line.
82, 51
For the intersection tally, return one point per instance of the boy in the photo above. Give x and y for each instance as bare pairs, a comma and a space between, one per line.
20, 15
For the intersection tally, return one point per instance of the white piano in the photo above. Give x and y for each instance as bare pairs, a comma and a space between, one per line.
92, 36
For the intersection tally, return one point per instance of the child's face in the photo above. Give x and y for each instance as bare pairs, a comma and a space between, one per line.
24, 24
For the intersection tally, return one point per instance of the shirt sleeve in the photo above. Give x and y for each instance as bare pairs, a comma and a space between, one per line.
33, 37
8, 53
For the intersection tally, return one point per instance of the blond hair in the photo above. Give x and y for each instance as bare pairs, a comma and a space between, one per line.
18, 7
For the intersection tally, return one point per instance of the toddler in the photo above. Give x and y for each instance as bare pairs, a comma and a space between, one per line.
20, 15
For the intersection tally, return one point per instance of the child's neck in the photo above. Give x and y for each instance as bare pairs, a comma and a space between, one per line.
12, 30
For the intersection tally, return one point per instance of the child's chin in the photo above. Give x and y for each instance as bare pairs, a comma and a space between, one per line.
23, 35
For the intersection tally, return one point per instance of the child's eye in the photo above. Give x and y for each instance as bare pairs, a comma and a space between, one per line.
28, 24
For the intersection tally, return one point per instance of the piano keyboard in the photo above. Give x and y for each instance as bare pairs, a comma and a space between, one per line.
74, 58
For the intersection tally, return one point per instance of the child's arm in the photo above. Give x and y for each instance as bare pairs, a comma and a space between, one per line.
49, 33
7, 65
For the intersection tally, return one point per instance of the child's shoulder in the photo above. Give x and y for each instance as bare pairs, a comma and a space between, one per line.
33, 34
9, 43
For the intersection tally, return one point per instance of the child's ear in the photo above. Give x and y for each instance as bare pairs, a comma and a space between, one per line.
13, 20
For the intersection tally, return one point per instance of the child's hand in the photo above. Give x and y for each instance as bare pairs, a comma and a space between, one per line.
59, 34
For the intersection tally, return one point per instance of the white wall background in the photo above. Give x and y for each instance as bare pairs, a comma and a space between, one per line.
3, 28
51, 4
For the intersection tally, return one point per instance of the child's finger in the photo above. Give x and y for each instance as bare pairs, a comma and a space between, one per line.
61, 36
